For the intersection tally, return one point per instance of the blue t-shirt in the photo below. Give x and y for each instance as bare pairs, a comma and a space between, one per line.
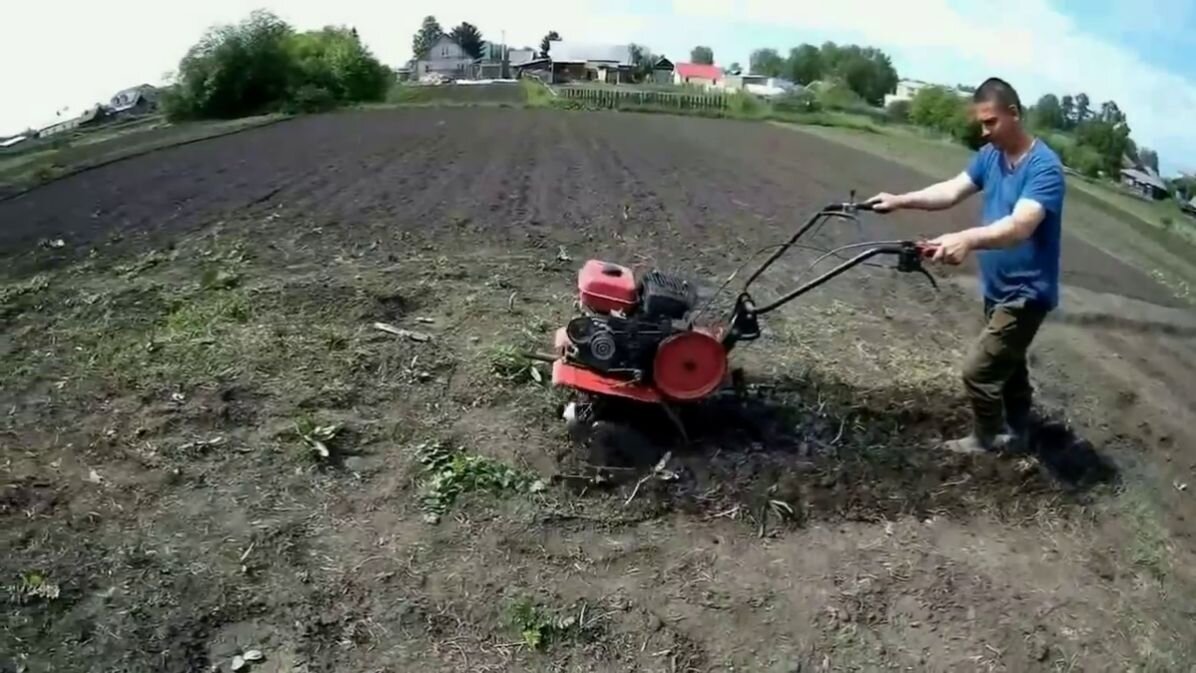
1029, 270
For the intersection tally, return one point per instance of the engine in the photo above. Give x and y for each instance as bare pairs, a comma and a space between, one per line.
625, 319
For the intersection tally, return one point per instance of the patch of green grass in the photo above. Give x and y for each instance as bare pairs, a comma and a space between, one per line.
34, 586
317, 437
18, 297
451, 472
1148, 549
540, 628
536, 93
508, 363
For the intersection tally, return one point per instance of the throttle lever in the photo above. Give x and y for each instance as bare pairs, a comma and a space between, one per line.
911, 256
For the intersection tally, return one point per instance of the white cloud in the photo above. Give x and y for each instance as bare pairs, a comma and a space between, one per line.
1027, 42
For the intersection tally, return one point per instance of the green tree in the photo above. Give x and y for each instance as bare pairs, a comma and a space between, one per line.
1110, 141
262, 65
767, 62
804, 64
1047, 113
546, 43
469, 38
642, 62
1067, 105
898, 111
1149, 158
427, 35
1111, 113
868, 71
1083, 109
234, 70
335, 61
941, 109
702, 55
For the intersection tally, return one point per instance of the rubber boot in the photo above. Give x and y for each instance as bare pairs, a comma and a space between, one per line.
978, 442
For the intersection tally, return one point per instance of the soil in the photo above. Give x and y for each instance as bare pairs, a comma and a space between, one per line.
164, 508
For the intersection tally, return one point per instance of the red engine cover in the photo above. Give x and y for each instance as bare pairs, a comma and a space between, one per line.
606, 287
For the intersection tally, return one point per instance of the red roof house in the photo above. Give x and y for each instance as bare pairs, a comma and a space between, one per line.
697, 74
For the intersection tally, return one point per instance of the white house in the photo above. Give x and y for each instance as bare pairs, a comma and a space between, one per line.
908, 88
445, 57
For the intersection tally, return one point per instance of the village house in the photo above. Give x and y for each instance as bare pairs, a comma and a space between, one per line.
568, 62
445, 58
1144, 183
695, 74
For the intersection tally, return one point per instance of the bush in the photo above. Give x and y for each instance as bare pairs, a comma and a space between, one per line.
797, 102
309, 98
898, 111
943, 110
261, 65
1084, 159
745, 105
836, 95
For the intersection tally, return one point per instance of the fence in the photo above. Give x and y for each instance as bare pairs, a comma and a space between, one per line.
617, 98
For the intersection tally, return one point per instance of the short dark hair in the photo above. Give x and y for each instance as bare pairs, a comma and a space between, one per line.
997, 90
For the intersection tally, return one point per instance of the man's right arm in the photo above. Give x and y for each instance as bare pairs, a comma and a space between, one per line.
939, 196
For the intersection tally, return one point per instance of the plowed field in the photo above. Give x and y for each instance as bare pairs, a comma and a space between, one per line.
208, 447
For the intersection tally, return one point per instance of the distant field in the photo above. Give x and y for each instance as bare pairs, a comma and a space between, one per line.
1121, 225
21, 171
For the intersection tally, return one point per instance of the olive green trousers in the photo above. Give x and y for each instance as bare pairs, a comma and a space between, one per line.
995, 374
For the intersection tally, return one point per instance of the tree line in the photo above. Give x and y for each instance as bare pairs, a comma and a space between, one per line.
263, 65
1091, 140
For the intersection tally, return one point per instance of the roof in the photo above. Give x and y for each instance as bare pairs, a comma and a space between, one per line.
663, 63
443, 38
13, 141
1145, 178
569, 52
517, 56
711, 72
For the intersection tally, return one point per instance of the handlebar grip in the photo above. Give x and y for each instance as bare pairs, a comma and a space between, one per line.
864, 206
926, 249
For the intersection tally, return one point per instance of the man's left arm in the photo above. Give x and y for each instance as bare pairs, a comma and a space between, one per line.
1043, 192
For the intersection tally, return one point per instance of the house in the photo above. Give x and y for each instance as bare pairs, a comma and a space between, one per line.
611, 64
91, 116
134, 101
662, 71
13, 141
741, 82
1189, 207
908, 88
1144, 183
497, 61
773, 87
695, 74
445, 58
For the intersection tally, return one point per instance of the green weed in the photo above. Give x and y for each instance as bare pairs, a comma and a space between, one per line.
508, 363
33, 586
540, 628
317, 438
450, 473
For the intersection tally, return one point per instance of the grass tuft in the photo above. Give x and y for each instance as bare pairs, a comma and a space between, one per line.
450, 473
540, 628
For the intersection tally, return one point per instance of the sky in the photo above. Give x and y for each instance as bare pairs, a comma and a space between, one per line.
1136, 52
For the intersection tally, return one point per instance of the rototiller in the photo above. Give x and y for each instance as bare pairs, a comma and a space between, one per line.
644, 340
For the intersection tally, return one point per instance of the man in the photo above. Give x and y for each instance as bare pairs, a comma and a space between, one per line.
1018, 250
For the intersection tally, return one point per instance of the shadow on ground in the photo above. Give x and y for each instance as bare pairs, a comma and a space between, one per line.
819, 449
